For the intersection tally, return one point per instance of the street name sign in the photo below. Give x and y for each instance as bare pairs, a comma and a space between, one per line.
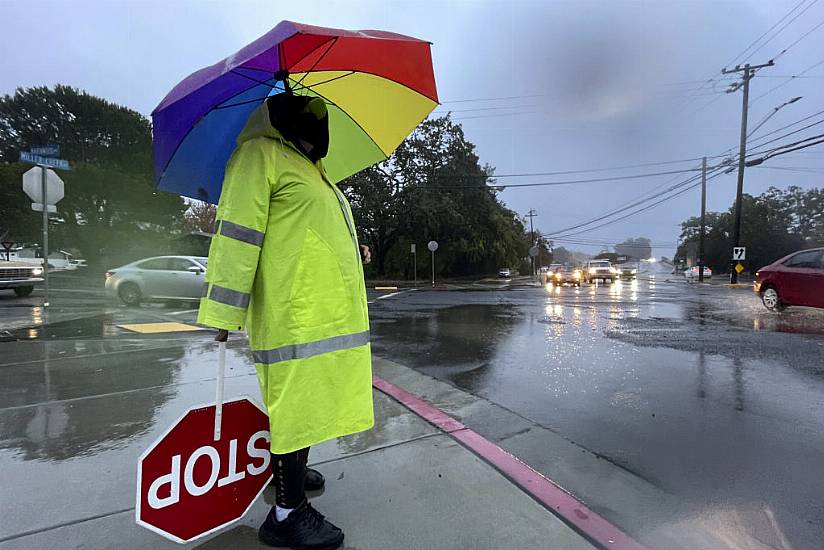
46, 150
60, 164
739, 253
190, 485
33, 186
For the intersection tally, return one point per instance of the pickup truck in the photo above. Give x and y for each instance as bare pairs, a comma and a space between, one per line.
19, 277
599, 269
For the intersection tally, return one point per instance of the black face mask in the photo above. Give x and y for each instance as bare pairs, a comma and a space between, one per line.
302, 120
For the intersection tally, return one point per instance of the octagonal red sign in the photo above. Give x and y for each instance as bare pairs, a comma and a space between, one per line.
189, 485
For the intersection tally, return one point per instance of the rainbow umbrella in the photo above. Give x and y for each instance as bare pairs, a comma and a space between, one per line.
378, 87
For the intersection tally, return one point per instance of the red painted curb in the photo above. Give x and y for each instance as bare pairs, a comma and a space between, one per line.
544, 490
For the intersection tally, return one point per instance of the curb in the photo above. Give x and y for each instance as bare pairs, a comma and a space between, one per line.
546, 492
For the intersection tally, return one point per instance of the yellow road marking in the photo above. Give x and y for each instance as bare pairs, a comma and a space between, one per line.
155, 328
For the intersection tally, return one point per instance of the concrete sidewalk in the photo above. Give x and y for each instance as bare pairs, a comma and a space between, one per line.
404, 484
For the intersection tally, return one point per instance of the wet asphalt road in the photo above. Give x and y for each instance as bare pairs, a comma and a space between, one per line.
697, 389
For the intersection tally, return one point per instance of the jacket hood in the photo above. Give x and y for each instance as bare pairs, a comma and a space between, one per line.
258, 125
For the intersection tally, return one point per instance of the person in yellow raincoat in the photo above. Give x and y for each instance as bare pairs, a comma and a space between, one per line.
285, 265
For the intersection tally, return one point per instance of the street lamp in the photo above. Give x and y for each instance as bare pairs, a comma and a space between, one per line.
769, 116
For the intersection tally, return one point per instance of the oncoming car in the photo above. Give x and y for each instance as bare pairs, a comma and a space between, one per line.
158, 278
599, 269
567, 276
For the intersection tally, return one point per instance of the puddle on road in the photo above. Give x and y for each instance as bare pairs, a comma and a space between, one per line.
96, 326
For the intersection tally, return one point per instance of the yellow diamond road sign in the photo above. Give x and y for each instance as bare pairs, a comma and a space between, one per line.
739, 268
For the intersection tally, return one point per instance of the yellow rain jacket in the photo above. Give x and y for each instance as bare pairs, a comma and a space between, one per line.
285, 265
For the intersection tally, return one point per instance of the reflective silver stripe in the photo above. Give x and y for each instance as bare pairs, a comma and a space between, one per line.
310, 349
228, 296
241, 233
205, 292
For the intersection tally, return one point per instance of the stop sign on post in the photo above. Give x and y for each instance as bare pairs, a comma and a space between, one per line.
33, 185
189, 485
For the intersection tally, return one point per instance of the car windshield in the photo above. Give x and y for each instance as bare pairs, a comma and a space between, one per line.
599, 264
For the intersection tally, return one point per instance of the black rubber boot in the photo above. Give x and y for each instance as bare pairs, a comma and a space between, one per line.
314, 480
303, 529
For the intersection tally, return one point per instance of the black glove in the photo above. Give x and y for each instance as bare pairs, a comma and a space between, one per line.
222, 335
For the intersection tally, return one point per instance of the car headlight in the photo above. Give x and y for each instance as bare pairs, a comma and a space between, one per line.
577, 274
37, 271
559, 276
634, 271
592, 271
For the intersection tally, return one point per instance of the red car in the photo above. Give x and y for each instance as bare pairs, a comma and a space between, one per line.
794, 280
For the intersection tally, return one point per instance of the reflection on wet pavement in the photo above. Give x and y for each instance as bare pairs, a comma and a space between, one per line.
659, 377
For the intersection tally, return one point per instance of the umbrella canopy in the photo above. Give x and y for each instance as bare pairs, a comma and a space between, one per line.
378, 87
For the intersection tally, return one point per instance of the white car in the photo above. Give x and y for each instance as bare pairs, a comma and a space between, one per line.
59, 260
158, 278
691, 273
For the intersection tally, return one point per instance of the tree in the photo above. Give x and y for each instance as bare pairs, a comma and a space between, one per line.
433, 187
774, 224
111, 206
635, 249
201, 216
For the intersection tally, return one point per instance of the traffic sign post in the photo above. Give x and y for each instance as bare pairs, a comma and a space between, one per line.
7, 248
189, 484
739, 254
433, 246
533, 251
50, 193
413, 250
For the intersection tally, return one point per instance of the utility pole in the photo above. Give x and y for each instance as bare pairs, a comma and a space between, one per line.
531, 215
703, 219
747, 73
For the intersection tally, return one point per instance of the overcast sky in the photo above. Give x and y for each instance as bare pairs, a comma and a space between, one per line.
594, 84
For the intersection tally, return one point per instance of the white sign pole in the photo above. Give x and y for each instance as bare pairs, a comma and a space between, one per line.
45, 237
221, 370
414, 265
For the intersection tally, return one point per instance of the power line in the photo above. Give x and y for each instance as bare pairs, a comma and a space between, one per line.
566, 182
714, 78
787, 24
787, 81
777, 151
580, 171
787, 134
633, 205
757, 138
644, 209
803, 36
